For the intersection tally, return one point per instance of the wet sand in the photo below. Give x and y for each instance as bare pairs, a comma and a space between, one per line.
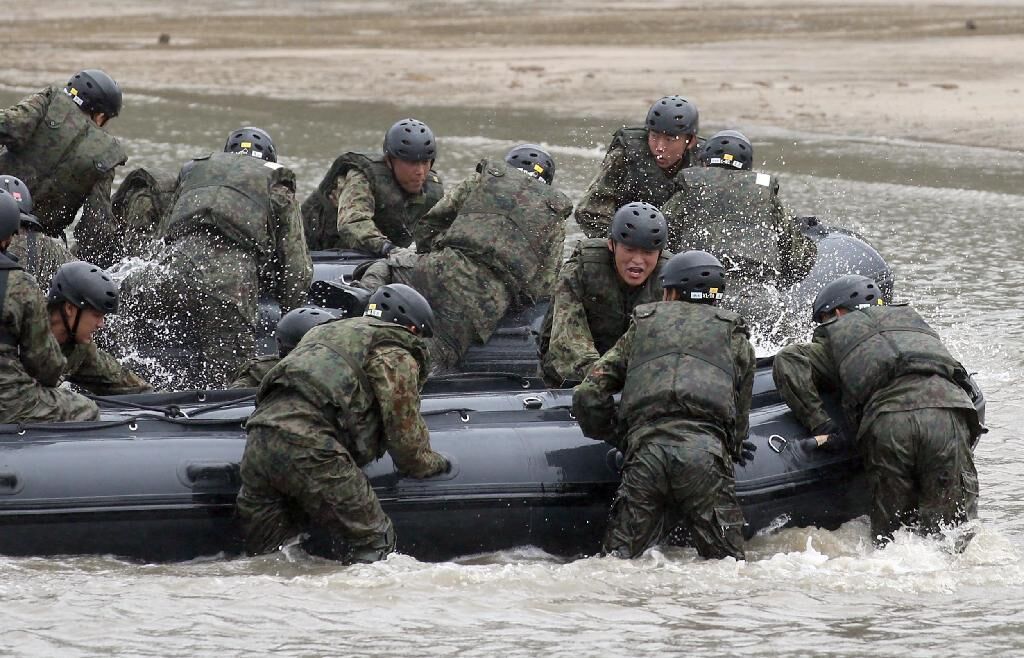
919, 70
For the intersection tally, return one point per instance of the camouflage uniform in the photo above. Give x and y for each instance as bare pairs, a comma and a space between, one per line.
359, 205
32, 364
686, 373
590, 310
628, 173
139, 203
899, 387
39, 254
252, 373
345, 395
232, 233
68, 162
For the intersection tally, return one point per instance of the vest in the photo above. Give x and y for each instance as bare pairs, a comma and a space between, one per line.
158, 184
395, 221
871, 347
731, 214
643, 179
508, 223
227, 194
62, 161
6, 265
681, 364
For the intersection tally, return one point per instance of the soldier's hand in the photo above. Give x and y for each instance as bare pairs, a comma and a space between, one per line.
829, 437
745, 453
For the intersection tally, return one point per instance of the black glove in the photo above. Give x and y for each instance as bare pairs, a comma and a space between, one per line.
386, 248
835, 439
745, 453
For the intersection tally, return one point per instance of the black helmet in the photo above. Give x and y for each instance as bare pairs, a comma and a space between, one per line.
10, 216
410, 140
17, 189
532, 159
639, 225
95, 91
673, 115
83, 284
295, 323
697, 275
851, 292
401, 304
727, 148
252, 141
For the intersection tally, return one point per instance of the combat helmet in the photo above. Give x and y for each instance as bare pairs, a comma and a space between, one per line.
251, 141
673, 115
697, 275
851, 291
84, 285
401, 304
727, 148
410, 140
533, 160
95, 91
17, 188
296, 323
639, 225
10, 216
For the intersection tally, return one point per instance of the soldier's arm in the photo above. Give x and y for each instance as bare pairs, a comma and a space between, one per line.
39, 352
440, 217
797, 252
592, 400
571, 349
356, 208
293, 269
101, 374
745, 364
98, 237
18, 122
395, 377
799, 370
597, 207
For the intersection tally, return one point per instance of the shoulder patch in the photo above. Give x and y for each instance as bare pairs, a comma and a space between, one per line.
763, 180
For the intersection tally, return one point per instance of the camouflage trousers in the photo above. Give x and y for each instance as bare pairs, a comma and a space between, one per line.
666, 483
920, 470
290, 487
32, 403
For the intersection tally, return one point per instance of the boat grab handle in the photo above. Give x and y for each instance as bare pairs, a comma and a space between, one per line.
9, 483
532, 402
777, 442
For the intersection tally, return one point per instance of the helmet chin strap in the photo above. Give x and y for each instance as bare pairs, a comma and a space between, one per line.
72, 330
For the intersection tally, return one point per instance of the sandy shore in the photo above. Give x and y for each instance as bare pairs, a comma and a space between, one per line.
919, 70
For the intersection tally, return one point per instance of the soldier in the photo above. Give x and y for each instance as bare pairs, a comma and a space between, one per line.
686, 372
232, 232
730, 211
640, 164
56, 144
46, 341
349, 392
141, 200
37, 253
597, 290
290, 330
904, 395
494, 241
372, 202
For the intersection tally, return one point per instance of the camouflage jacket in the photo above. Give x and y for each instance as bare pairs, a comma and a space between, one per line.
241, 202
67, 161
361, 380
98, 372
737, 216
359, 205
39, 254
139, 203
252, 373
881, 359
628, 173
590, 310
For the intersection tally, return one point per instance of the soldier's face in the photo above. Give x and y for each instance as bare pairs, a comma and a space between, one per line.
667, 149
89, 322
633, 265
410, 175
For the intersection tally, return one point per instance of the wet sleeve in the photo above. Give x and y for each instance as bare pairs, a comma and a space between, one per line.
440, 217
101, 374
592, 400
292, 269
18, 122
599, 203
571, 349
799, 371
745, 363
98, 237
38, 350
395, 377
356, 208
797, 252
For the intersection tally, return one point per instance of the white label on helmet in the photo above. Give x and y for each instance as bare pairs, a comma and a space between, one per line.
273, 165
764, 180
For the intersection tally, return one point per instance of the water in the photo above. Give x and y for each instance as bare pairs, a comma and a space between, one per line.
948, 221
